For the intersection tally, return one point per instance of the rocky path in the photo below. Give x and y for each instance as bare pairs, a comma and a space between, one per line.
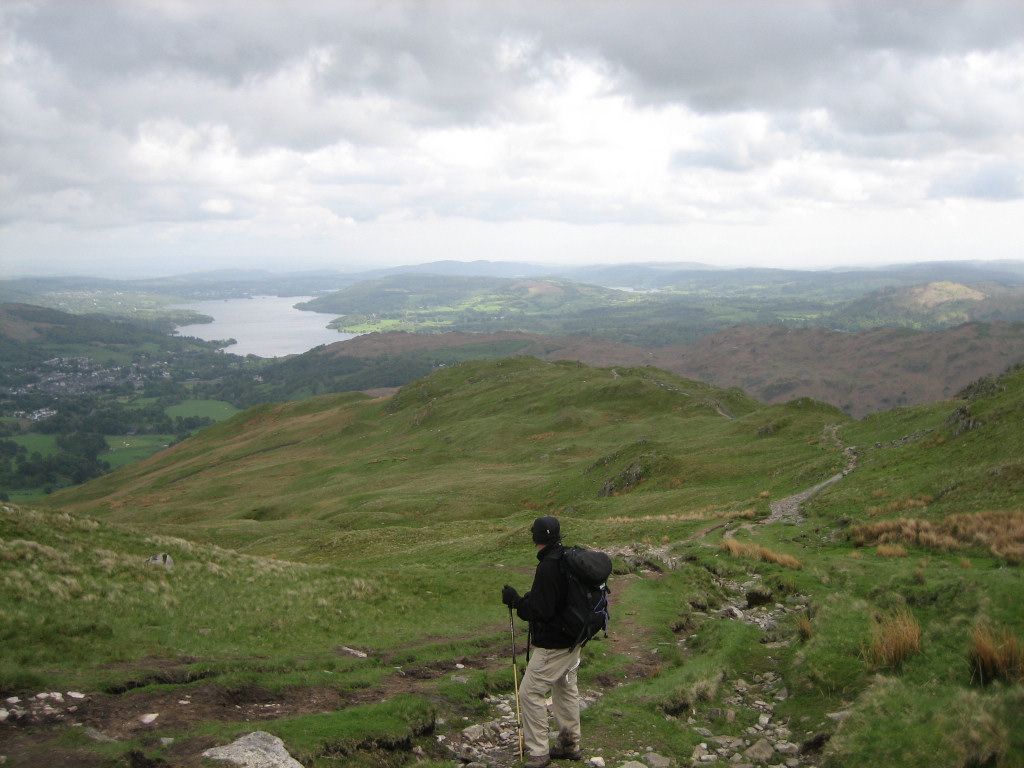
770, 740
787, 510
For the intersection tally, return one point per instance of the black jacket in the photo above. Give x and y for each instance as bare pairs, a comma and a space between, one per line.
543, 603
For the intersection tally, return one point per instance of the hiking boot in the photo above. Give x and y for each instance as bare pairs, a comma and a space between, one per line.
566, 752
537, 761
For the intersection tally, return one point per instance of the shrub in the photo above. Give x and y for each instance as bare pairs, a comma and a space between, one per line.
894, 639
995, 654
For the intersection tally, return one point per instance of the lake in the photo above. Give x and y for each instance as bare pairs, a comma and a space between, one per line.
265, 326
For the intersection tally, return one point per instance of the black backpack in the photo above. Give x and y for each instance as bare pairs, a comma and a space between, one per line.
586, 603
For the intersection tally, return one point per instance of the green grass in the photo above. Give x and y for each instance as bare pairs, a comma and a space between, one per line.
397, 522
45, 445
127, 449
218, 410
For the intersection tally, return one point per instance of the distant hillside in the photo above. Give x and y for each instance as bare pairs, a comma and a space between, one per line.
472, 438
29, 334
859, 372
459, 300
940, 304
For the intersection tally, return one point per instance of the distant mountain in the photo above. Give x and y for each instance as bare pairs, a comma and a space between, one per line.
860, 373
938, 304
479, 297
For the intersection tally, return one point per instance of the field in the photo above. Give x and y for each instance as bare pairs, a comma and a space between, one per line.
125, 449
307, 534
218, 410
43, 444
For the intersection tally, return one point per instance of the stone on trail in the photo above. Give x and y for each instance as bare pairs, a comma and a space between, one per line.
473, 732
255, 750
632, 764
148, 719
4, 714
596, 762
655, 760
761, 751
76, 695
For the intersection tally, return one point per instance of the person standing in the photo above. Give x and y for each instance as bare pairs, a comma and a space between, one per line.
555, 659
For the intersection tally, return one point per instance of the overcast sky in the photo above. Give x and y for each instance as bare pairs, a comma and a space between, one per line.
162, 136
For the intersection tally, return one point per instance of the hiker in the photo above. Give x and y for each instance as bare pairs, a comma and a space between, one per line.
555, 658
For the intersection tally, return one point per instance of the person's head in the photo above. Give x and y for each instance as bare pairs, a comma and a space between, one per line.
546, 531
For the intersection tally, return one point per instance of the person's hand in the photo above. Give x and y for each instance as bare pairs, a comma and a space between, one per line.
509, 596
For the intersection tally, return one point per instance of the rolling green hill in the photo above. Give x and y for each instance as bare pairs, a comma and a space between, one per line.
840, 630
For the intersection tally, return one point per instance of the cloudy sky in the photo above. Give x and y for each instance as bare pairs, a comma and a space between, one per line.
161, 136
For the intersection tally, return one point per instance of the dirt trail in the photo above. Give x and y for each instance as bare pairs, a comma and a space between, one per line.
787, 510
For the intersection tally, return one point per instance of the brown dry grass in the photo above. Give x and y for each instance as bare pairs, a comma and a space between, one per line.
749, 549
894, 639
891, 550
1002, 533
995, 654
804, 627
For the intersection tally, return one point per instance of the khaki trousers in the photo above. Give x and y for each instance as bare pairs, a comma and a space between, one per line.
551, 669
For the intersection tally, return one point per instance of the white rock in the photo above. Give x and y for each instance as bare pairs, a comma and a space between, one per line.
76, 695
763, 720
166, 741
460, 666
255, 750
473, 732
149, 719
57, 696
351, 652
42, 696
4, 714
596, 762
13, 700
184, 701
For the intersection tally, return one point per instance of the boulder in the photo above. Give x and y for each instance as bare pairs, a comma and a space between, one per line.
162, 560
255, 750
760, 752
654, 760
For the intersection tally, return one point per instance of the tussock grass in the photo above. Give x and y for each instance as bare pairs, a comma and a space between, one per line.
995, 653
749, 549
894, 639
1002, 533
890, 550
804, 627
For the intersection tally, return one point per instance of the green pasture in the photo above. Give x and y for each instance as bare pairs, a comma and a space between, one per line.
126, 449
218, 410
44, 445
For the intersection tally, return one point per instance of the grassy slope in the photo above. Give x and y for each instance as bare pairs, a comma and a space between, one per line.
418, 507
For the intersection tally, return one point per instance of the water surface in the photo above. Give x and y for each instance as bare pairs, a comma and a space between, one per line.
265, 326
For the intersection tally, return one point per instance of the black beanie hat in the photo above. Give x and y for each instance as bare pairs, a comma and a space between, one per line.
545, 530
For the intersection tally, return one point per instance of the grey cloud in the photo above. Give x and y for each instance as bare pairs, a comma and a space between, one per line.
991, 181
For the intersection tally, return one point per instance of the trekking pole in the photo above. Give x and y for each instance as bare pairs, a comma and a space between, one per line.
515, 681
